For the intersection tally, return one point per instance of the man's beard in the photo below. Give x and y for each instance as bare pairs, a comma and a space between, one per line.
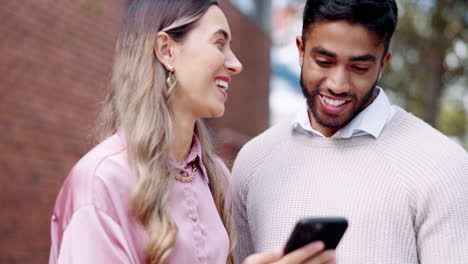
335, 123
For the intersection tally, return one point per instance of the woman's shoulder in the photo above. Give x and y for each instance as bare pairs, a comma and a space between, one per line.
106, 162
100, 175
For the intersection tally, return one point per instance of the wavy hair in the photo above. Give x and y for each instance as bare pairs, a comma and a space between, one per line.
138, 103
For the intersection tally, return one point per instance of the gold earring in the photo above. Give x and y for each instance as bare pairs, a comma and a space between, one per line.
170, 78
170, 81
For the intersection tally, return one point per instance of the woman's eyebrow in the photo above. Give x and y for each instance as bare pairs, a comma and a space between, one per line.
222, 32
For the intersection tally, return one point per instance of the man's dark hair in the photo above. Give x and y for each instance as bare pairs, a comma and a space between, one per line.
378, 16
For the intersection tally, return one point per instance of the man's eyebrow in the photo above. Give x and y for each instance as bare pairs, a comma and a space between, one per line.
323, 51
367, 57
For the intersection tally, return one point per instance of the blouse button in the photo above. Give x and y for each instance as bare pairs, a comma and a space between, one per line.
193, 217
197, 233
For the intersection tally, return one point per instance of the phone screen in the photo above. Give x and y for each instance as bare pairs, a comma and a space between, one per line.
309, 229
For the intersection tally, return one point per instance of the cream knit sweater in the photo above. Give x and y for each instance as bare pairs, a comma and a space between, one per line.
404, 194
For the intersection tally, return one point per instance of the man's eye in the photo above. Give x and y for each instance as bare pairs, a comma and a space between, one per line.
361, 69
323, 62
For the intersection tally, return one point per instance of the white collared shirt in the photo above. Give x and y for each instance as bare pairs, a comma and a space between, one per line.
369, 121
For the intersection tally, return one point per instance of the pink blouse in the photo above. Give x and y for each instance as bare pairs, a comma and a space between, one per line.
91, 221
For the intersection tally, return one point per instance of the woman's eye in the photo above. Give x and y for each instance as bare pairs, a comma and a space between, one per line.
221, 43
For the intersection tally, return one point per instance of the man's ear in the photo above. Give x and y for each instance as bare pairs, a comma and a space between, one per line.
300, 49
164, 49
384, 63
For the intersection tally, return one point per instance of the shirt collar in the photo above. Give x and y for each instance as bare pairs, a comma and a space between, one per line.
370, 121
194, 156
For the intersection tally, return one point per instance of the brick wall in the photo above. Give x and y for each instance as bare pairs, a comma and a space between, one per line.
55, 59
247, 110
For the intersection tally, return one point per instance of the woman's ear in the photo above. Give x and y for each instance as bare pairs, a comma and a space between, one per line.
163, 49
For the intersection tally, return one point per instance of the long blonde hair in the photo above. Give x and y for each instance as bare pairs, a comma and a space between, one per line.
138, 104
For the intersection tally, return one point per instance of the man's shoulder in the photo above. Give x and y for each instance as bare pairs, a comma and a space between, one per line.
256, 150
267, 139
407, 130
417, 143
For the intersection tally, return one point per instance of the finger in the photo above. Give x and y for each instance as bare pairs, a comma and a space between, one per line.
304, 253
264, 257
324, 257
334, 261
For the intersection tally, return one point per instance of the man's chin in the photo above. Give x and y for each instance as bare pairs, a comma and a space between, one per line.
331, 125
332, 122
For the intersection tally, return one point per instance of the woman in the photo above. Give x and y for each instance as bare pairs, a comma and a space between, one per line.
153, 191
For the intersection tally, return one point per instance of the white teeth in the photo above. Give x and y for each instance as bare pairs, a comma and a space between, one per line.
333, 102
222, 84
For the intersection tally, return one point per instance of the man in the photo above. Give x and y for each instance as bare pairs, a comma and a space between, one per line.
402, 185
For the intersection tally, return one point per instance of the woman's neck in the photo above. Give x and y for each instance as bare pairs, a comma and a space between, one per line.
183, 134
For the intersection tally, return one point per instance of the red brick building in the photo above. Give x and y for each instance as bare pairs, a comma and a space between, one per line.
55, 60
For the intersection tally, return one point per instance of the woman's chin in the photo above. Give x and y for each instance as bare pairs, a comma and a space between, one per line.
219, 114
216, 113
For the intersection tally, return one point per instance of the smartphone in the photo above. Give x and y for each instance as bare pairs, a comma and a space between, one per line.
309, 229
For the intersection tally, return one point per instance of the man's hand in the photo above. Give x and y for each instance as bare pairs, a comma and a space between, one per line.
309, 254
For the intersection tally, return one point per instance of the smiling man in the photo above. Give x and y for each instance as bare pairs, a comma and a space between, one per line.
402, 185
341, 64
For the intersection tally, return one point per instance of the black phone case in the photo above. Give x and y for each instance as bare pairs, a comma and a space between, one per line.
327, 229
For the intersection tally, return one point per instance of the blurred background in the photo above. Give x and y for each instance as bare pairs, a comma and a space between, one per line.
55, 60
427, 74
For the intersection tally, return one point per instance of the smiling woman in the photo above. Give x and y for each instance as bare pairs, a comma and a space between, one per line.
127, 200
153, 191
203, 65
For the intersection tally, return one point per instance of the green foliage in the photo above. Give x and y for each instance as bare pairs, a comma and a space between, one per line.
452, 118
430, 58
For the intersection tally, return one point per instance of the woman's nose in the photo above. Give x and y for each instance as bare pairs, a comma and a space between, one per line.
233, 64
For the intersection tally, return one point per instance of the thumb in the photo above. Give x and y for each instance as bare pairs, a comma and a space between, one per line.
264, 257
